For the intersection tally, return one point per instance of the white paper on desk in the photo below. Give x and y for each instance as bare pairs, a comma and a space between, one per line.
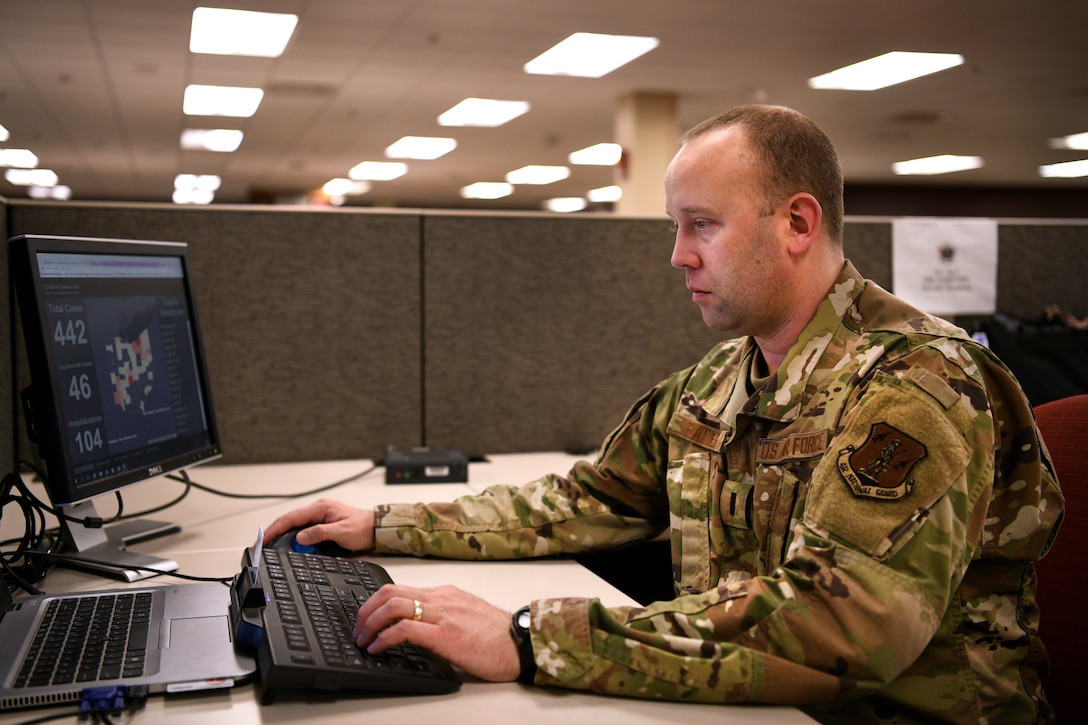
946, 266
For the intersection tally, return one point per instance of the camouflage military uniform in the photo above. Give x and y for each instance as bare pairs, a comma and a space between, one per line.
854, 534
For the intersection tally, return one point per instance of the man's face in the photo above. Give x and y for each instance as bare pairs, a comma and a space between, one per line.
725, 241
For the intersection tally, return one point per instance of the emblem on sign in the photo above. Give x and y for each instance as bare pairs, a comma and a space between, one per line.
880, 467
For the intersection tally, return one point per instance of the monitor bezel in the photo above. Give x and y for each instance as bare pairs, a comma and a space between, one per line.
43, 408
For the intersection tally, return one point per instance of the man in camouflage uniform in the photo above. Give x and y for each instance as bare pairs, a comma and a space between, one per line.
854, 490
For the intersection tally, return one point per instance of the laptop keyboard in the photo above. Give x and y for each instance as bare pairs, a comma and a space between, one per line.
87, 639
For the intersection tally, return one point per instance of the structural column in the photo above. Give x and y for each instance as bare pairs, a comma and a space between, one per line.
647, 128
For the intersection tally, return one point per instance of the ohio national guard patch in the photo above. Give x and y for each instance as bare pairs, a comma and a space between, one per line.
880, 467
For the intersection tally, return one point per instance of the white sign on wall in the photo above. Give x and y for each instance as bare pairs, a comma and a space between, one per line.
946, 266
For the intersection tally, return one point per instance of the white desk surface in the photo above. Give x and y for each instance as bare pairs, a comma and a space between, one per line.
216, 529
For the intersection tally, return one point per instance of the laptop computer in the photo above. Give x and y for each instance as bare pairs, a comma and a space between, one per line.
180, 641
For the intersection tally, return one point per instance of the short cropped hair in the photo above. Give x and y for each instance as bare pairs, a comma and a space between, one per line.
795, 153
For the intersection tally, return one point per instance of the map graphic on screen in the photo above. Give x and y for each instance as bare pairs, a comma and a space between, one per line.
133, 377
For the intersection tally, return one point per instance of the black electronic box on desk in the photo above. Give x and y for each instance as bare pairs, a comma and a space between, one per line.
426, 465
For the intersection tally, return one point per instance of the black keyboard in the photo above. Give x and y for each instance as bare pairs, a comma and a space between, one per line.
304, 640
87, 639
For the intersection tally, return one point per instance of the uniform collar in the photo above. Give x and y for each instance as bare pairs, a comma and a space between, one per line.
782, 396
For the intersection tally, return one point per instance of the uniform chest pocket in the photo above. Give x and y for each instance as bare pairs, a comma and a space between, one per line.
735, 504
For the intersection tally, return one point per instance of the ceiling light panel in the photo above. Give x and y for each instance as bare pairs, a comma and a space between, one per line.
565, 204
378, 171
885, 70
605, 194
1078, 141
31, 177
1065, 170
221, 101
538, 174
590, 55
58, 192
420, 147
931, 165
602, 154
224, 140
345, 187
485, 112
487, 190
219, 31
18, 158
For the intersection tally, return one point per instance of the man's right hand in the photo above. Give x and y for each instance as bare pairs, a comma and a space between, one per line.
327, 520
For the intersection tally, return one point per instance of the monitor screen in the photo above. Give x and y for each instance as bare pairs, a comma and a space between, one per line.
119, 390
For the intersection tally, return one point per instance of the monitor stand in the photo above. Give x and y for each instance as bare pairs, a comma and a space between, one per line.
102, 550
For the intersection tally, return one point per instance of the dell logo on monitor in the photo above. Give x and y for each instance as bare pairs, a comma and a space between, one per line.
154, 470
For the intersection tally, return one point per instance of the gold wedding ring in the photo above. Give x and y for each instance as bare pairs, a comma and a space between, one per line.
417, 614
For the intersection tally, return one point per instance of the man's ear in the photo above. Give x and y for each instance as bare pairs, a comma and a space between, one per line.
805, 215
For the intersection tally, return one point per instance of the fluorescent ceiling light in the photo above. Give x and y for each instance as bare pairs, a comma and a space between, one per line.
220, 31
192, 196
4, 134
487, 190
565, 204
1065, 170
19, 158
485, 112
420, 147
195, 188
345, 187
885, 70
943, 164
605, 193
223, 140
602, 154
538, 174
221, 101
208, 182
1078, 141
31, 177
590, 55
378, 170
60, 192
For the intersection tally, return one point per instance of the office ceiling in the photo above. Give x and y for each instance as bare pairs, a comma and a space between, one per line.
94, 88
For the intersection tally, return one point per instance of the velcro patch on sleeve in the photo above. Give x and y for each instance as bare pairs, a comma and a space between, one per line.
898, 453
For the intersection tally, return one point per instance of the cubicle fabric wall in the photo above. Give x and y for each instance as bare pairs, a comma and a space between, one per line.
335, 333
541, 331
310, 319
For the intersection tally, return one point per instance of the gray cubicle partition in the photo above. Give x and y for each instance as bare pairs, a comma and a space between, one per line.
334, 333
311, 320
541, 331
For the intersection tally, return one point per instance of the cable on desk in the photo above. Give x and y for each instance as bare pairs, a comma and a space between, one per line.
18, 569
38, 548
101, 704
55, 556
310, 492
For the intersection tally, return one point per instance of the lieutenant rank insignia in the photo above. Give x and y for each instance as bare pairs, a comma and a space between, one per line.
880, 467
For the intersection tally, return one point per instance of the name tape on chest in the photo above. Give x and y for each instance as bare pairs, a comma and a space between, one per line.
796, 446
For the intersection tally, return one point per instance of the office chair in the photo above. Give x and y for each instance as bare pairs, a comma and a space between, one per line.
1063, 573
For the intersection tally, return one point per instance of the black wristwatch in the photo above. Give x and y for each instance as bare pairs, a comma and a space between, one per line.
519, 630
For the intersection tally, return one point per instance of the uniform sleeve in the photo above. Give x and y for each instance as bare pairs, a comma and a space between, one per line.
895, 512
617, 499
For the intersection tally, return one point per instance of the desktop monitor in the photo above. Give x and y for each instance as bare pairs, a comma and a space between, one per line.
119, 388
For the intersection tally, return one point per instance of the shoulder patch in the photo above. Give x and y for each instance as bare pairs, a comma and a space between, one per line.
880, 467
